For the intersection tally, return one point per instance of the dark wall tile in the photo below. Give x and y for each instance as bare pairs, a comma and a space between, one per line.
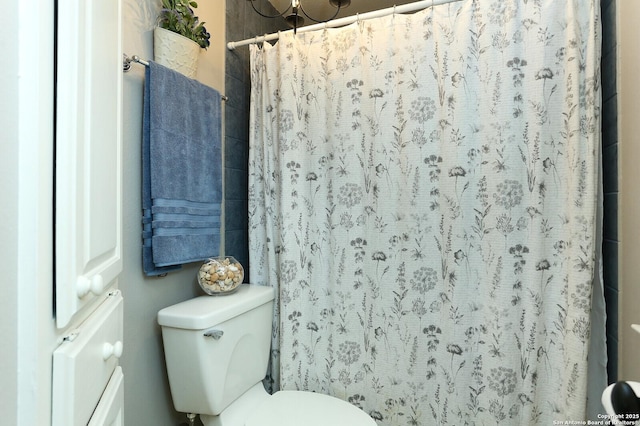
610, 264
236, 153
610, 121
236, 185
611, 298
239, 220
236, 62
610, 164
235, 17
237, 123
610, 180
612, 355
610, 220
609, 38
609, 77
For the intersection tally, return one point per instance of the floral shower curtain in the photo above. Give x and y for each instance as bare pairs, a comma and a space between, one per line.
423, 198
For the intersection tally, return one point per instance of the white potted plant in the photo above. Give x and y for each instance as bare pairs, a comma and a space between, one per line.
179, 36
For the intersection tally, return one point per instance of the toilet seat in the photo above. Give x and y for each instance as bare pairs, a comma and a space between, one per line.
295, 408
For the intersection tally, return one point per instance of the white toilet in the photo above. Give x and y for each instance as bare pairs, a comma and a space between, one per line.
217, 350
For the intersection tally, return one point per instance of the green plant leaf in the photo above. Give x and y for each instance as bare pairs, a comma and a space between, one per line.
179, 17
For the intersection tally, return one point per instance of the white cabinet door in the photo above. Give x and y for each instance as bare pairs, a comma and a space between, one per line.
84, 364
88, 214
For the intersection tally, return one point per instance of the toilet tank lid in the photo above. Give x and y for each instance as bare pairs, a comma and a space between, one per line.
207, 311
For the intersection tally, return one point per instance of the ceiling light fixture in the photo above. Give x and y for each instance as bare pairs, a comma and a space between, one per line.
293, 14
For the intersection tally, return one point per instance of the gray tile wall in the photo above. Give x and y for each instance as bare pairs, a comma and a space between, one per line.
242, 23
610, 181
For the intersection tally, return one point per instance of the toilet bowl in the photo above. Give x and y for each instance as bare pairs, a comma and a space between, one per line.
288, 408
216, 353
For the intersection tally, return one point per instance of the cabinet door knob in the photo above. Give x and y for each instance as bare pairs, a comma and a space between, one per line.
94, 285
109, 350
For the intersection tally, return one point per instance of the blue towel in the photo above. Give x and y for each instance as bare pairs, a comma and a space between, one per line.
181, 171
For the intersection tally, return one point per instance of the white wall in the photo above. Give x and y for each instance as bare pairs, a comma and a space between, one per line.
147, 398
629, 179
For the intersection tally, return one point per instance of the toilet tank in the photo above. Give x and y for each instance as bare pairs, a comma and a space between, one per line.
216, 347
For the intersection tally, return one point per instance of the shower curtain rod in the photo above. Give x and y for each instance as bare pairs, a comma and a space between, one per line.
405, 8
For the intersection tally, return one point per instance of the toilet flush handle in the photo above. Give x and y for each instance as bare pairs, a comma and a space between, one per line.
216, 334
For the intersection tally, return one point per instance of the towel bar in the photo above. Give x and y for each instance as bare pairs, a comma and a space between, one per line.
126, 61
126, 66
